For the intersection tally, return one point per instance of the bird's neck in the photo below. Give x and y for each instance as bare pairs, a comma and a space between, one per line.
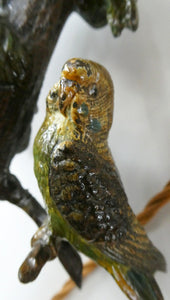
64, 129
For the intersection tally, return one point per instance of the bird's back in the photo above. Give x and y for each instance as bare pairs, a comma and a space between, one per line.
88, 192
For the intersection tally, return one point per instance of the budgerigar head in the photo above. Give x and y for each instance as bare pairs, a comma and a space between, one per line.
84, 95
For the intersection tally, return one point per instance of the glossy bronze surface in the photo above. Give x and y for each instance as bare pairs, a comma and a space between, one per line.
29, 31
28, 28
80, 183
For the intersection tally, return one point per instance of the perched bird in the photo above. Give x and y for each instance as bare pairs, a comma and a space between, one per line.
81, 185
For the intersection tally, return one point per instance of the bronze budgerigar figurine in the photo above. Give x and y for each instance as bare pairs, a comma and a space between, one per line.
81, 186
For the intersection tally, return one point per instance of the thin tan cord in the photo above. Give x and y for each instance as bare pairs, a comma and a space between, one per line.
70, 285
144, 217
154, 205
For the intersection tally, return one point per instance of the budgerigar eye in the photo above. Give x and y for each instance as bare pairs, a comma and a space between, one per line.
53, 94
63, 96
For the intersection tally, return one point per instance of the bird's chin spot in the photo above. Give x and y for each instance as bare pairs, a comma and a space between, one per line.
83, 110
95, 125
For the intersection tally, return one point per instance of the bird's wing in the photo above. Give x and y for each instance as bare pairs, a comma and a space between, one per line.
88, 192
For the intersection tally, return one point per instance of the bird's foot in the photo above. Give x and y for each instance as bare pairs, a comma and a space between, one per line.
45, 247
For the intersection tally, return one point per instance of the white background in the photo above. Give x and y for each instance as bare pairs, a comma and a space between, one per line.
139, 139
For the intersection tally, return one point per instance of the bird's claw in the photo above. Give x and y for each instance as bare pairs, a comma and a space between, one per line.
46, 247
43, 249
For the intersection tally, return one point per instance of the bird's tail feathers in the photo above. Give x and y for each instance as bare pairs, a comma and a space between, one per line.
137, 286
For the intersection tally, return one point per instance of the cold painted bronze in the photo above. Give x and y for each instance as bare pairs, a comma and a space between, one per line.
80, 183
29, 31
